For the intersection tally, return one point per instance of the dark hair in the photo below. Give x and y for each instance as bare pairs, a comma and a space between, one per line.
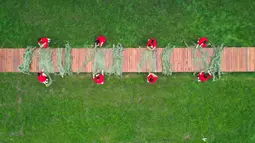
39, 39
206, 75
97, 76
38, 74
151, 79
204, 41
152, 41
97, 41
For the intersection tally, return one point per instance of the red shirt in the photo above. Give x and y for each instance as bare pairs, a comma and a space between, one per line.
99, 79
152, 79
101, 40
202, 78
202, 42
41, 78
152, 42
44, 41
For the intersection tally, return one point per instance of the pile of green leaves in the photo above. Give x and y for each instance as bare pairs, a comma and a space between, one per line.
215, 62
148, 58
64, 64
117, 59
24, 67
165, 56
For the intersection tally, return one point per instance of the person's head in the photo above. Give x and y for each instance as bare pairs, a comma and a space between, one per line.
151, 79
39, 39
38, 74
97, 42
206, 75
97, 76
204, 42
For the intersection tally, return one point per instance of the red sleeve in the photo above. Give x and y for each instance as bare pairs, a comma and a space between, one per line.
209, 76
149, 43
154, 43
95, 79
101, 78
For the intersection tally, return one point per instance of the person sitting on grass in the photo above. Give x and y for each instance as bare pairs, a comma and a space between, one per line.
42, 77
152, 78
202, 42
151, 44
203, 77
99, 78
43, 42
100, 40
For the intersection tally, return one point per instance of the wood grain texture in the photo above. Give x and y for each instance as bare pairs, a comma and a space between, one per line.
233, 59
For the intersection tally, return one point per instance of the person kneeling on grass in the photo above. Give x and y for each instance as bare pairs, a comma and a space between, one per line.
152, 78
99, 78
202, 42
43, 42
42, 77
202, 76
151, 44
100, 40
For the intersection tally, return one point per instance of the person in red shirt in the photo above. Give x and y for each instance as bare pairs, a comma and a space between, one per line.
100, 40
151, 44
43, 42
202, 76
202, 42
99, 78
42, 77
152, 78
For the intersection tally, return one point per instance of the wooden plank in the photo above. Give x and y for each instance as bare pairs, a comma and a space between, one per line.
125, 60
251, 59
15, 60
54, 60
74, 66
159, 59
9, 61
233, 59
226, 57
2, 61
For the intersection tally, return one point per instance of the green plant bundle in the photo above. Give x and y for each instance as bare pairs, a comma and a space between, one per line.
45, 63
45, 60
148, 58
200, 62
117, 59
24, 67
165, 56
90, 58
50, 79
215, 62
68, 60
60, 67
99, 62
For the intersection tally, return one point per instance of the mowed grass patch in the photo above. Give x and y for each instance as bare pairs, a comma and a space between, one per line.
128, 22
175, 109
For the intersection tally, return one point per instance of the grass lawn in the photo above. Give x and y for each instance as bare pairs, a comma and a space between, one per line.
74, 109
129, 22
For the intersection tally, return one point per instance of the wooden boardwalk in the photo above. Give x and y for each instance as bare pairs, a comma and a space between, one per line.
233, 59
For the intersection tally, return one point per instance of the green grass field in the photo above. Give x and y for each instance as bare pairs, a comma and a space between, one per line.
129, 22
175, 109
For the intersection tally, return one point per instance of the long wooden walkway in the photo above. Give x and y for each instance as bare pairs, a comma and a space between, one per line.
233, 59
